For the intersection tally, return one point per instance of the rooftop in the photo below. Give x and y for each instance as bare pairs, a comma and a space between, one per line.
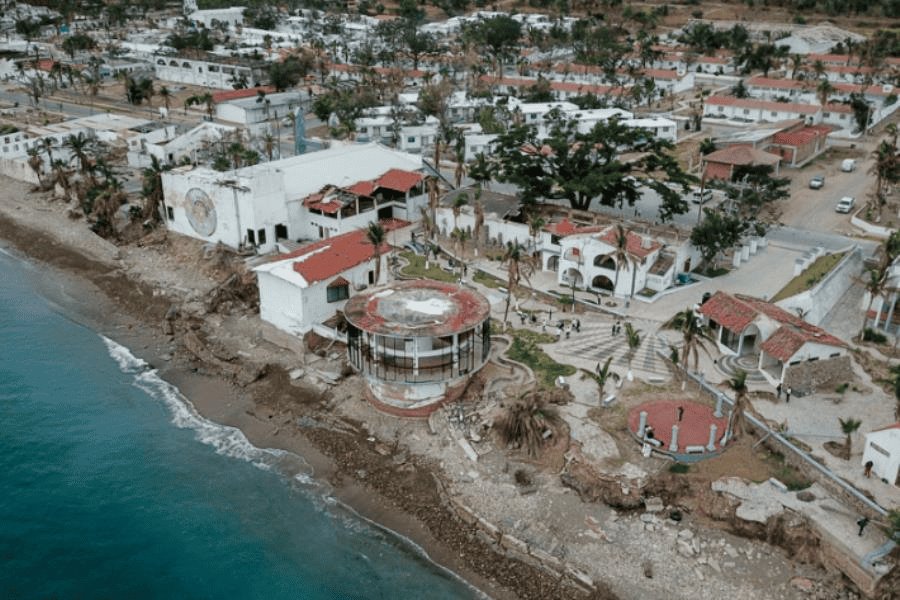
418, 308
741, 154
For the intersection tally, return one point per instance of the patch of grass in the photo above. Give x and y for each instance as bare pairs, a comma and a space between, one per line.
679, 468
842, 388
786, 474
525, 350
416, 268
487, 280
808, 279
647, 293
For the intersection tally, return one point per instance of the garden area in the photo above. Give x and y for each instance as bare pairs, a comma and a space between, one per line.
526, 350
415, 268
810, 277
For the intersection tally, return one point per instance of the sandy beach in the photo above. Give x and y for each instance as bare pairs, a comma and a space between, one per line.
88, 279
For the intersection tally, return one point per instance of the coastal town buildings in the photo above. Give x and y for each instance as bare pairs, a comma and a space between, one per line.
312, 196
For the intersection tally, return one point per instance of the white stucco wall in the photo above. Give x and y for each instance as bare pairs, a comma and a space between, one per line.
883, 466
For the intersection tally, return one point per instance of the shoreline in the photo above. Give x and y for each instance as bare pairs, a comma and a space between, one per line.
97, 292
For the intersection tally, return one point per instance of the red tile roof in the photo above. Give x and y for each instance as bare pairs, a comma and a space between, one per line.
894, 426
227, 95
327, 258
753, 103
784, 84
838, 108
741, 154
717, 171
798, 137
362, 188
399, 180
736, 312
634, 245
566, 227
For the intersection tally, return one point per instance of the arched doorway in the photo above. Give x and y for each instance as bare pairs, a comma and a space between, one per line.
602, 282
553, 263
573, 276
604, 261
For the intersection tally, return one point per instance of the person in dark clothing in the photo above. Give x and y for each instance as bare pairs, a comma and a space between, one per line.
867, 468
862, 525
778, 391
787, 394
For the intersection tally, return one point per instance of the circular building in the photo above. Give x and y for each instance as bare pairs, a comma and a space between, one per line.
417, 343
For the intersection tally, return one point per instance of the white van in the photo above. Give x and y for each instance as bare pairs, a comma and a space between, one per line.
848, 165
701, 198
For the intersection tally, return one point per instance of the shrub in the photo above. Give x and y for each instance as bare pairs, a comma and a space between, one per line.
842, 388
679, 468
876, 337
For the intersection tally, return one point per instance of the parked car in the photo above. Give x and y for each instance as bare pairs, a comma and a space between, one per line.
848, 164
817, 182
701, 198
844, 205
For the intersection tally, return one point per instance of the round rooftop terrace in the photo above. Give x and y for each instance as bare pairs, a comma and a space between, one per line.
418, 308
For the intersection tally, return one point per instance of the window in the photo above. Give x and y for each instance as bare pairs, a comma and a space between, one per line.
170, 212
721, 109
774, 114
336, 293
746, 111
411, 139
281, 232
261, 235
251, 237
371, 277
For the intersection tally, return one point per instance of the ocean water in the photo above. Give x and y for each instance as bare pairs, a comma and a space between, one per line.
112, 486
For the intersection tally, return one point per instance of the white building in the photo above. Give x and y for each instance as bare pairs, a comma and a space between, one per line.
883, 449
170, 148
790, 350
752, 110
203, 73
659, 127
306, 287
816, 39
209, 18
256, 113
310, 196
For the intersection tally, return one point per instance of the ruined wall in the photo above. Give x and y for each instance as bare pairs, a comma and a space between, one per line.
819, 374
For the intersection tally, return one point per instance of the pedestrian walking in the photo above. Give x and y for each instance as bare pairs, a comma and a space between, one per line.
787, 394
614, 329
577, 326
862, 525
680, 411
867, 468
558, 333
568, 331
778, 391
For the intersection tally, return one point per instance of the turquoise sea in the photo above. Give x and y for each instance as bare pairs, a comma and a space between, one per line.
112, 486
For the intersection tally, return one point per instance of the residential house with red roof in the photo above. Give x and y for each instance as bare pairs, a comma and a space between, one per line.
310, 285
721, 164
788, 350
883, 450
306, 197
754, 110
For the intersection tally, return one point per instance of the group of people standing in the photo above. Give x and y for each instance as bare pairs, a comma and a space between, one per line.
787, 392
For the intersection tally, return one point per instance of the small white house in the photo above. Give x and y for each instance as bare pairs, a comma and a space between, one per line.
883, 449
257, 113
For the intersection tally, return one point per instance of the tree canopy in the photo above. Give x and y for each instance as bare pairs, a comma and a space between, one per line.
611, 162
716, 232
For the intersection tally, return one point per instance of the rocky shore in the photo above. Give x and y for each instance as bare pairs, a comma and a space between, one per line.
137, 296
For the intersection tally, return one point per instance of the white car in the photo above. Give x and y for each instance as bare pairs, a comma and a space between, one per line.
844, 205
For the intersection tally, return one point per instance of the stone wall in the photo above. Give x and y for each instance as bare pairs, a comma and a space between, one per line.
818, 375
817, 302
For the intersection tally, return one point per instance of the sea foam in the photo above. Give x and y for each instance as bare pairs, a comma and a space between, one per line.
225, 440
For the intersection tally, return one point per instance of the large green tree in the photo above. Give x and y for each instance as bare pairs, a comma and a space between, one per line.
611, 163
716, 232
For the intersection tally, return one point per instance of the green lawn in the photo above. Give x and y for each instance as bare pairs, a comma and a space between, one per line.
487, 280
810, 277
416, 268
525, 350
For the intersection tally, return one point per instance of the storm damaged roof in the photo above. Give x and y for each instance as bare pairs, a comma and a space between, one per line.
419, 308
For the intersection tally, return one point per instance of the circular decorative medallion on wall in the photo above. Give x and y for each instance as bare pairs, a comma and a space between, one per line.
201, 213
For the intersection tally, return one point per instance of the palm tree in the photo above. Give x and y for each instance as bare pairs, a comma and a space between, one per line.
848, 426
203, 99
47, 144
633, 337
478, 208
535, 225
458, 202
269, 145
518, 267
153, 189
823, 91
433, 201
166, 94
460, 236
78, 145
694, 336
796, 65
36, 162
738, 385
886, 169
604, 375
375, 235
61, 175
620, 255
525, 422
875, 286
